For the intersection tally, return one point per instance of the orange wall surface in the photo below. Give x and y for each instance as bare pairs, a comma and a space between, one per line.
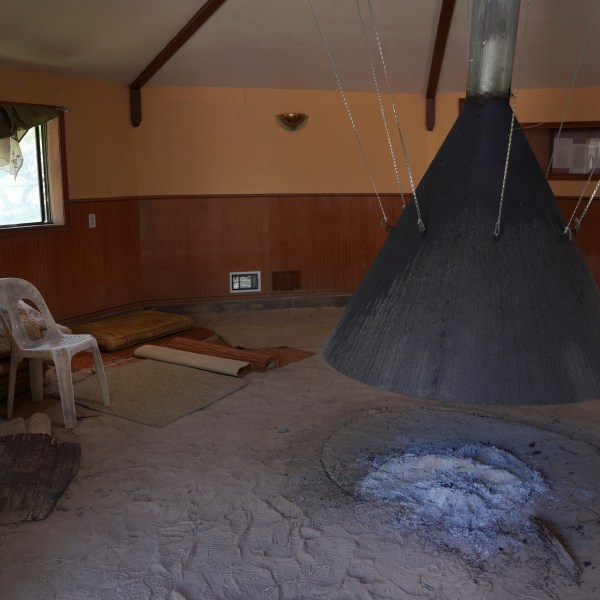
99, 135
226, 140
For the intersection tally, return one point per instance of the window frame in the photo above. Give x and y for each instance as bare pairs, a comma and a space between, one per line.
56, 175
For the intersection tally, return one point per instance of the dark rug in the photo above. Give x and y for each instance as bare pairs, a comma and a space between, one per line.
261, 360
258, 360
35, 470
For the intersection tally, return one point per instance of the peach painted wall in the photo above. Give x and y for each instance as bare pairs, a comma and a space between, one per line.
226, 141
215, 140
98, 132
195, 141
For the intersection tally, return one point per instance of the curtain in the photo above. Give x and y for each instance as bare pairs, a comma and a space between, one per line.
15, 122
11, 158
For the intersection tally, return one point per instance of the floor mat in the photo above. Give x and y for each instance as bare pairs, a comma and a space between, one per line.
133, 328
214, 364
251, 336
155, 393
35, 470
260, 359
85, 360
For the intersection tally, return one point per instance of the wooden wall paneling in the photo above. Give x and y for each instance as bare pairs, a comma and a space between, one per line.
31, 257
56, 274
331, 240
121, 252
165, 225
539, 140
98, 269
228, 234
361, 234
78, 264
78, 270
189, 245
182, 249
587, 239
17, 258
299, 235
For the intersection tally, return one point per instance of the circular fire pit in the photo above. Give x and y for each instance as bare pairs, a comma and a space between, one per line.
476, 485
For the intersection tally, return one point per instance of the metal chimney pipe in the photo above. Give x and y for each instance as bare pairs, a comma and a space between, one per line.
492, 47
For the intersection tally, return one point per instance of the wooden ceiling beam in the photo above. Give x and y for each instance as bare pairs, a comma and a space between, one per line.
439, 49
188, 30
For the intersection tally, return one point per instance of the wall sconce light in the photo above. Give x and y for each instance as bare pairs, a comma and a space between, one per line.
292, 121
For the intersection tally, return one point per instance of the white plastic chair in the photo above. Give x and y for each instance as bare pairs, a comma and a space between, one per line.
55, 345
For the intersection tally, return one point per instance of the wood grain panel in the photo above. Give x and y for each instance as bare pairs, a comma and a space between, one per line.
539, 140
190, 245
331, 240
79, 270
231, 235
165, 226
587, 239
181, 249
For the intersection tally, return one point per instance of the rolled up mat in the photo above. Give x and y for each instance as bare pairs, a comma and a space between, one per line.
215, 364
259, 360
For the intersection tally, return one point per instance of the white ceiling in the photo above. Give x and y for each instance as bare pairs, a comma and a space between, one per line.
275, 43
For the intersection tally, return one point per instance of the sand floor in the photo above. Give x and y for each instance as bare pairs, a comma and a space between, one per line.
258, 497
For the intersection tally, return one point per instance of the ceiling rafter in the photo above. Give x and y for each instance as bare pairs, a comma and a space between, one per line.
187, 31
437, 60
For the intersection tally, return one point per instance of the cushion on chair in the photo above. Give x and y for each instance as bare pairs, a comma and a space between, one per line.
134, 328
33, 324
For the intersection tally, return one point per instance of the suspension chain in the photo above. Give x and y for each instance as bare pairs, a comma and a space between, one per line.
512, 121
567, 232
349, 112
589, 202
381, 108
420, 223
579, 61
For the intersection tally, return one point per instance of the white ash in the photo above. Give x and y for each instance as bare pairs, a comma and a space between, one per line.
475, 499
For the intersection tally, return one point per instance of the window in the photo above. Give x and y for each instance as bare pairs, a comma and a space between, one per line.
32, 192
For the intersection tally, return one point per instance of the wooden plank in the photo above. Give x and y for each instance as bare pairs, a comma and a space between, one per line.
135, 105
188, 30
439, 49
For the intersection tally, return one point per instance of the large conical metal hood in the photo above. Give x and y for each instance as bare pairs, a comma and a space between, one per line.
460, 316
